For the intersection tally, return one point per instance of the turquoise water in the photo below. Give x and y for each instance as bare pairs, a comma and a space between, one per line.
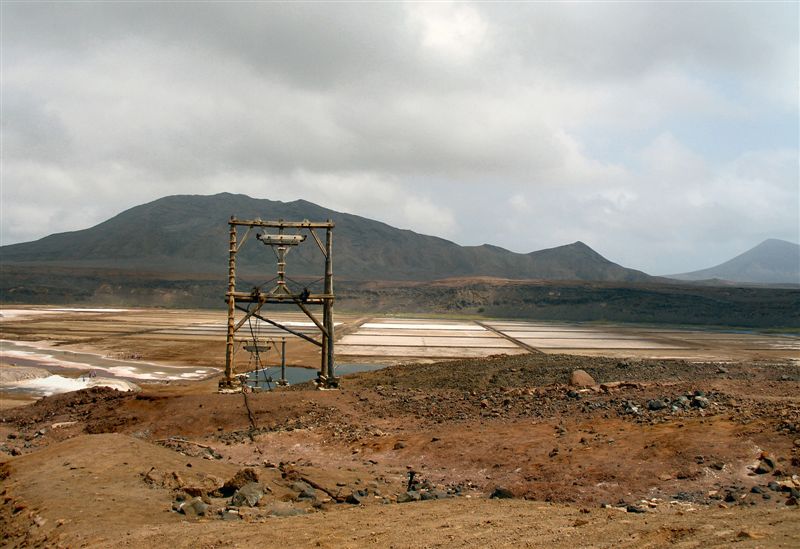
294, 375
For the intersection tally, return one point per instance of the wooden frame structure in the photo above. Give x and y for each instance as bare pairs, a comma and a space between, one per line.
281, 293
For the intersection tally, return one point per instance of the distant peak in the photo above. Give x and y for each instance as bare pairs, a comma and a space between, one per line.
776, 242
580, 244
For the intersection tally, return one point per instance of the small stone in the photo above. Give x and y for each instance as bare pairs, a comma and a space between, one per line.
749, 534
769, 460
195, 507
39, 521
764, 467
399, 445
730, 497
354, 498
230, 514
248, 495
634, 509
308, 493
700, 401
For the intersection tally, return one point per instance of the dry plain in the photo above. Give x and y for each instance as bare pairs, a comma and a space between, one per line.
688, 438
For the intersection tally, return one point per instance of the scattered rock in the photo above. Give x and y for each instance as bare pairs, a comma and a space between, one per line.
230, 514
634, 509
434, 494
248, 495
631, 408
766, 464
655, 405
354, 499
241, 478
406, 497
195, 507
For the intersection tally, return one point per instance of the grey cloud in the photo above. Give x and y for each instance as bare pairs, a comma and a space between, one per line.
352, 103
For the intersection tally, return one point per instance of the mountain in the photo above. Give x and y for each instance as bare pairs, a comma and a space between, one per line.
188, 234
771, 262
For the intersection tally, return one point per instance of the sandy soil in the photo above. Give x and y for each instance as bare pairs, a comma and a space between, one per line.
655, 453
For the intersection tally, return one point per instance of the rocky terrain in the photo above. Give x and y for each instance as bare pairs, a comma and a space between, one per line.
536, 450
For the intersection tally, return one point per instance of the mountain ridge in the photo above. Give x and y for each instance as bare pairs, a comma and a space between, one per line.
773, 261
177, 234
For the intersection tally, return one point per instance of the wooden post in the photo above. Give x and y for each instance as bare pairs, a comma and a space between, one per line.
328, 308
283, 362
229, 366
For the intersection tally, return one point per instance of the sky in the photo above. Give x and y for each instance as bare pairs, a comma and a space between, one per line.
664, 135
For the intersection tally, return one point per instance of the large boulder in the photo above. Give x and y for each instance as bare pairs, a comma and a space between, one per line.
580, 378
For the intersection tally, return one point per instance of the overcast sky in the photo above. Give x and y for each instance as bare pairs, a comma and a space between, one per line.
664, 135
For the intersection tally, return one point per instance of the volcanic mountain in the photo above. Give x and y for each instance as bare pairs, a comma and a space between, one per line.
188, 234
771, 262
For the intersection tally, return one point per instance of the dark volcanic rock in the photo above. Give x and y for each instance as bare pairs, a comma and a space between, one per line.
501, 493
655, 405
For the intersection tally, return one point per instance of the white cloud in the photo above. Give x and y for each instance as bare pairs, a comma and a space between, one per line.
453, 30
